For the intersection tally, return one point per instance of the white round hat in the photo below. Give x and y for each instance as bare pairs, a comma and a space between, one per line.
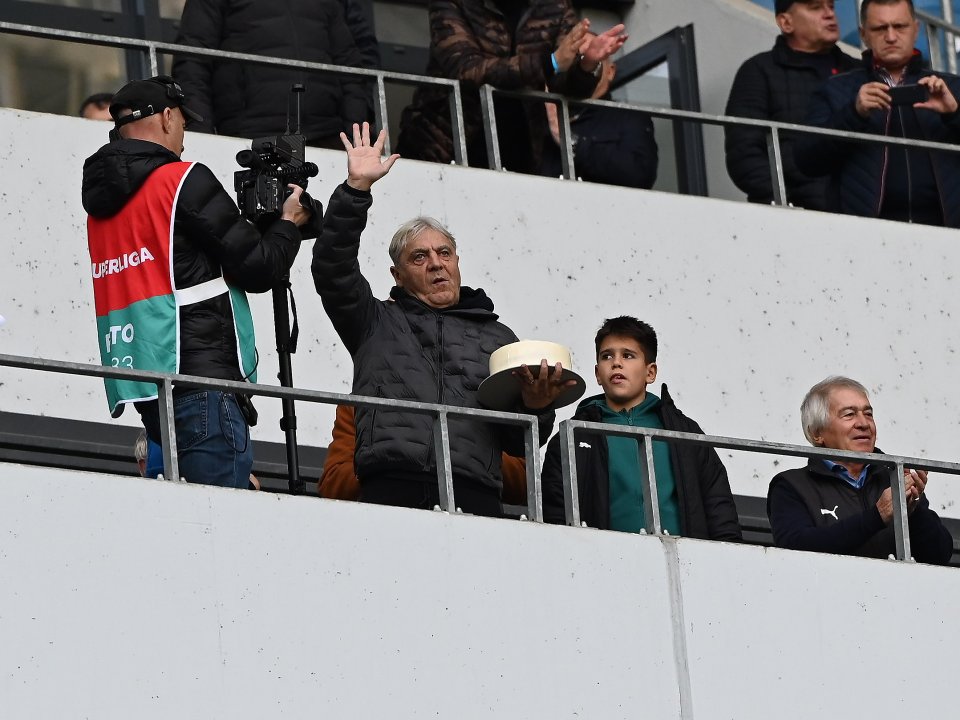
501, 391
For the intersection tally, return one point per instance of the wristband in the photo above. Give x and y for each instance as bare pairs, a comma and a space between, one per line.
553, 61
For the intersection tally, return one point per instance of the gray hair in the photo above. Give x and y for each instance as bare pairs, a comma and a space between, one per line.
412, 229
815, 408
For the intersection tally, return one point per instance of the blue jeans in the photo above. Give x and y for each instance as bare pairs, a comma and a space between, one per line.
213, 441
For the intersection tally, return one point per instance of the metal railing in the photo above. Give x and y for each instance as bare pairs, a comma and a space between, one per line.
646, 436
943, 56
165, 383
772, 128
568, 428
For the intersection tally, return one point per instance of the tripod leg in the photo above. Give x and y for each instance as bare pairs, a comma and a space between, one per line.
288, 421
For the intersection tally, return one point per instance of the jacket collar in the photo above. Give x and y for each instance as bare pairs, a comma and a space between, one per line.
914, 67
785, 55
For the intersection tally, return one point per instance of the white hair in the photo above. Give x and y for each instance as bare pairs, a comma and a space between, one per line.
815, 408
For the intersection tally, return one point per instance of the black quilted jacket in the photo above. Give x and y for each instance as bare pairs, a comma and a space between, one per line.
406, 350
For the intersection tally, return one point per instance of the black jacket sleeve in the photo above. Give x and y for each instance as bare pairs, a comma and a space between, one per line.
201, 25
723, 522
345, 293
833, 108
930, 541
748, 162
551, 484
209, 218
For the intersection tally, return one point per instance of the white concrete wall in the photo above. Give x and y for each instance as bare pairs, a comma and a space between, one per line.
130, 598
753, 305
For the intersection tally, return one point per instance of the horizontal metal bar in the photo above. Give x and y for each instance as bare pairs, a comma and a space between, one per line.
410, 79
191, 51
939, 22
769, 448
275, 391
727, 120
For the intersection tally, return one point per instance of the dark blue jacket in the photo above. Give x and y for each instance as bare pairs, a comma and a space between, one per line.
812, 509
861, 171
611, 146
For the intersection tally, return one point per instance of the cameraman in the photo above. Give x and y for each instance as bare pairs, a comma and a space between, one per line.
171, 259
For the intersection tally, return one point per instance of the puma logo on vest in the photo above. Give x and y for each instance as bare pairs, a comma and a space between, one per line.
824, 511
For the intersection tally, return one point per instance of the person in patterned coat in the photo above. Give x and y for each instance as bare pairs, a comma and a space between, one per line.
512, 45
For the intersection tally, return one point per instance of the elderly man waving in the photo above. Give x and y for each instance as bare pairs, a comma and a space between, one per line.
430, 342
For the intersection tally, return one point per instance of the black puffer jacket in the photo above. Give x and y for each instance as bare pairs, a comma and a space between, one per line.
473, 42
209, 240
707, 510
777, 85
248, 100
861, 171
405, 350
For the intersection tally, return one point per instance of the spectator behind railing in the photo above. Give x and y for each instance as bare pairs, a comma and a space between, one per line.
339, 479
164, 236
846, 507
610, 146
250, 100
887, 181
692, 487
430, 343
96, 107
512, 45
777, 85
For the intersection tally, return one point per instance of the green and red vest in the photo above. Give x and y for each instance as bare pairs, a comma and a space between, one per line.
136, 298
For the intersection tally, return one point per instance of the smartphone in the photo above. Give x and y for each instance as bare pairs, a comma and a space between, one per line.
908, 94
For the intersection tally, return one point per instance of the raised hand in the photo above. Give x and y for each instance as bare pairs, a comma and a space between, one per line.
365, 163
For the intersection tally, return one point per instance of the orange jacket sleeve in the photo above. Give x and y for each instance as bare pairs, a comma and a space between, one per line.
339, 480
514, 480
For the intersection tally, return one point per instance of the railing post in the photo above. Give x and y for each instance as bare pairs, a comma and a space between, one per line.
651, 501
168, 430
531, 448
441, 441
490, 127
152, 60
901, 518
949, 39
380, 113
567, 161
933, 42
776, 166
568, 469
456, 125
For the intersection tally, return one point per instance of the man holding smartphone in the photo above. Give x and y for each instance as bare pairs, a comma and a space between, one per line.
891, 94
